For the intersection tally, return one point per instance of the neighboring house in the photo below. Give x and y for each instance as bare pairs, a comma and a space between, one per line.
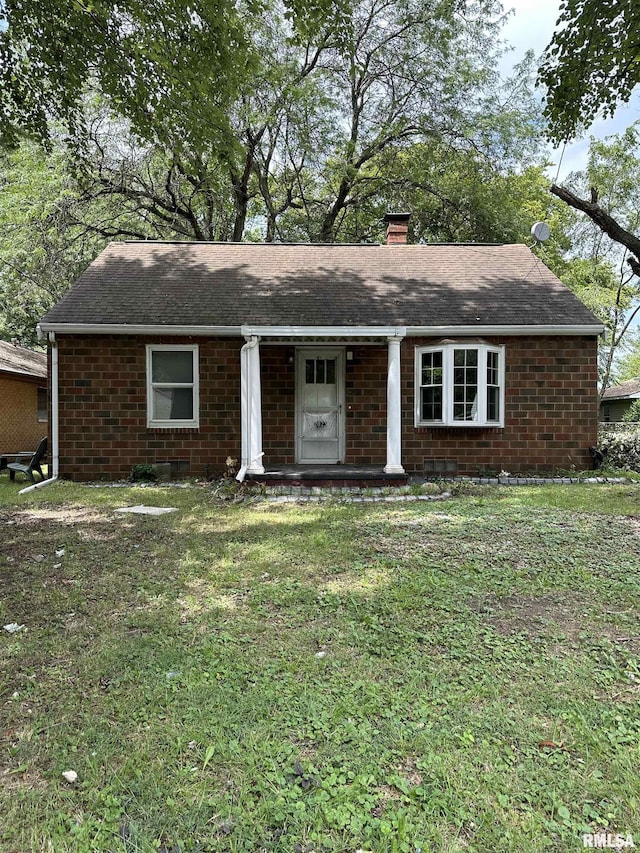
411, 358
23, 398
617, 400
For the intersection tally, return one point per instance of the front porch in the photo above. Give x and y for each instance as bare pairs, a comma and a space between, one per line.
332, 398
328, 475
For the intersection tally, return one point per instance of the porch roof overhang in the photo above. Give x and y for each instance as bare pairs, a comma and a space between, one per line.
331, 332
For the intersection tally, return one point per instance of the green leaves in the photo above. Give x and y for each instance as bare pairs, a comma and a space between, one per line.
591, 64
147, 59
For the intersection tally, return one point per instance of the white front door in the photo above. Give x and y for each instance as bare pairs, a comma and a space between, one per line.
320, 405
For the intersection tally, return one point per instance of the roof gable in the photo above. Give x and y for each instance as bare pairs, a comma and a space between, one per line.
227, 284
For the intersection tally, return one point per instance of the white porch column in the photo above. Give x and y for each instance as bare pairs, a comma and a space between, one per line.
250, 408
394, 409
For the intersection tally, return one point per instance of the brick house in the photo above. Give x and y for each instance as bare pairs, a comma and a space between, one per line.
409, 359
23, 398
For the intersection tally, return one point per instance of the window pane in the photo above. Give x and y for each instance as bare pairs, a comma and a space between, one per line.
432, 404
320, 371
172, 366
431, 368
493, 404
308, 369
331, 371
172, 404
465, 406
492, 368
472, 357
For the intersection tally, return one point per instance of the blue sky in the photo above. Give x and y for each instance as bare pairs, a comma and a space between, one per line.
531, 26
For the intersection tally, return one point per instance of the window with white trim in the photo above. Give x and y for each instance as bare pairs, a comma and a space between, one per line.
172, 386
459, 384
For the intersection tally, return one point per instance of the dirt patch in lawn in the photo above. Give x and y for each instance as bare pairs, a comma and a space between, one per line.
67, 515
555, 616
534, 616
36, 535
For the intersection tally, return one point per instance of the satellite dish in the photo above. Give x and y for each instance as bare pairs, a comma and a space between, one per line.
540, 231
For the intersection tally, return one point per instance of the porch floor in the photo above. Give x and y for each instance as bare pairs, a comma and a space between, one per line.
325, 475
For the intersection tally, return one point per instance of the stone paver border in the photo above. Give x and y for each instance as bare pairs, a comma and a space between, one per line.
373, 494
390, 494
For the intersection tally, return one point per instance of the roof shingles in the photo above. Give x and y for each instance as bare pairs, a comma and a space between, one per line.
232, 284
21, 361
620, 392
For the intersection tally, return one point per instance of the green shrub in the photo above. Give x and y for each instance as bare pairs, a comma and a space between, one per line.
144, 474
632, 415
622, 446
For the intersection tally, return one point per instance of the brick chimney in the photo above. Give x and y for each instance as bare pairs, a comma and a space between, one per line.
397, 228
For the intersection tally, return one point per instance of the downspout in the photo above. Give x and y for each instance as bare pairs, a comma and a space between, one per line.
246, 408
54, 417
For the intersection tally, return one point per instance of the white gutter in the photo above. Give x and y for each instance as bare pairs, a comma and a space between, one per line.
314, 331
136, 329
479, 329
54, 455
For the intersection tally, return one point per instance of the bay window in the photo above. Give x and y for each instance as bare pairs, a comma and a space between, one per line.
459, 384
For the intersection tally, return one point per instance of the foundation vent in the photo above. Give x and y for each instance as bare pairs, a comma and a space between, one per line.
440, 466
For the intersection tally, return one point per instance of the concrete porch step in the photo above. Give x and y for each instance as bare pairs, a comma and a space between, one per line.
328, 475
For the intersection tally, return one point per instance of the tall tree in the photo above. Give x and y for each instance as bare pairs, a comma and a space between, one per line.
301, 142
401, 78
44, 242
308, 127
145, 59
608, 276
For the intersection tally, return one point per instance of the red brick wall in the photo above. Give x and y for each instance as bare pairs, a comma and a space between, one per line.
19, 425
551, 409
366, 404
103, 408
278, 381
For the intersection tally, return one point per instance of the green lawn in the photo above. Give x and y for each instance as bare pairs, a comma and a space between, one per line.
450, 676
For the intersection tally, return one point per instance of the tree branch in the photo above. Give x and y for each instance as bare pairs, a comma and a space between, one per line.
605, 222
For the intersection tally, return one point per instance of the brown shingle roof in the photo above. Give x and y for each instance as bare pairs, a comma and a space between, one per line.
619, 392
26, 362
233, 284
